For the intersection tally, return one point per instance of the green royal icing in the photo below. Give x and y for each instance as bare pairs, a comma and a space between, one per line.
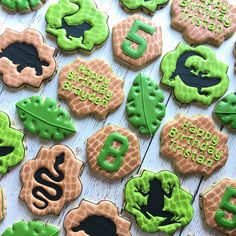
207, 75
12, 149
116, 152
150, 190
227, 206
133, 37
42, 116
31, 228
77, 12
225, 110
150, 5
145, 107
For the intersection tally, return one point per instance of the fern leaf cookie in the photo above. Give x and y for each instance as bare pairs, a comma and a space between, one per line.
145, 108
77, 25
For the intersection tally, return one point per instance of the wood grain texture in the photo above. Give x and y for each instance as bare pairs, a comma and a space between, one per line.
95, 187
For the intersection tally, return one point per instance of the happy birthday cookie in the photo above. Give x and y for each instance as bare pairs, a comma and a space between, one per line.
31, 228
90, 87
42, 116
137, 41
219, 206
25, 59
204, 21
113, 152
96, 219
194, 74
3, 205
12, 150
194, 145
158, 202
147, 6
145, 108
51, 180
77, 25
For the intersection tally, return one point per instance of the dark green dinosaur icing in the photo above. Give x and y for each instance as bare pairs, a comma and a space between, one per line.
149, 5
12, 149
225, 110
77, 24
194, 74
158, 202
21, 5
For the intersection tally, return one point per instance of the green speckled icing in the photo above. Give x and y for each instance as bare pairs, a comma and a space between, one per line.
150, 5
163, 189
21, 5
201, 67
76, 12
12, 149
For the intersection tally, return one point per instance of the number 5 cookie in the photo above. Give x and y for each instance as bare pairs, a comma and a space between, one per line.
137, 41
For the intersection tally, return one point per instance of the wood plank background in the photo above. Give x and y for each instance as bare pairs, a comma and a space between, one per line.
95, 187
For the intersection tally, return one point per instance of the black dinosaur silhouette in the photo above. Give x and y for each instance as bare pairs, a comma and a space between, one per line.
97, 226
190, 77
5, 150
156, 202
24, 55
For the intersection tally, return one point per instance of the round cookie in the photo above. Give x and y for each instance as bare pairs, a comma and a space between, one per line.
194, 145
51, 180
113, 152
90, 87
42, 116
218, 205
147, 6
3, 205
158, 202
145, 108
194, 74
96, 219
204, 21
25, 59
31, 228
77, 25
137, 41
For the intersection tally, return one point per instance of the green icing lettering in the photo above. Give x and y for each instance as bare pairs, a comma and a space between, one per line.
21, 5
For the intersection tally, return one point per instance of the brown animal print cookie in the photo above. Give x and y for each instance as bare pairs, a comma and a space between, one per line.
204, 21
51, 180
137, 41
90, 87
219, 206
25, 59
113, 152
194, 145
96, 219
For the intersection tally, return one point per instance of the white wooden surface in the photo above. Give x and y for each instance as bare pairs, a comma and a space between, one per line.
95, 187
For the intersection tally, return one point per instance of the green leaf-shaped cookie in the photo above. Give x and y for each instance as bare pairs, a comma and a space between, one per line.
32, 228
43, 116
145, 107
225, 110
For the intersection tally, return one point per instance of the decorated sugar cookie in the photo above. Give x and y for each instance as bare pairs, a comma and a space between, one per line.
36, 228
12, 150
218, 204
51, 180
113, 152
204, 21
148, 6
145, 108
194, 145
77, 25
137, 41
194, 74
42, 116
25, 59
158, 202
90, 87
3, 205
96, 219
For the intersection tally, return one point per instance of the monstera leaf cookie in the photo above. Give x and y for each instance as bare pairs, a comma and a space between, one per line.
194, 74
77, 25
12, 149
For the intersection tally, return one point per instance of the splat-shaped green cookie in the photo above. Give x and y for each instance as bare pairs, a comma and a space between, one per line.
12, 149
